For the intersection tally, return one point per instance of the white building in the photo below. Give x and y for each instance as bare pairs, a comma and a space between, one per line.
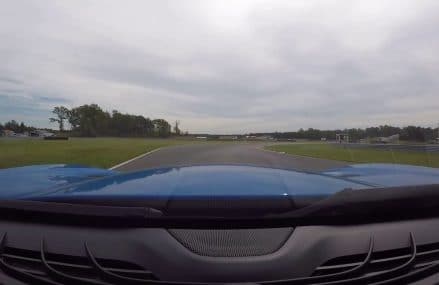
41, 133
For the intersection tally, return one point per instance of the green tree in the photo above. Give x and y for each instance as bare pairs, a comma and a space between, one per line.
62, 114
73, 118
12, 125
162, 128
89, 120
22, 128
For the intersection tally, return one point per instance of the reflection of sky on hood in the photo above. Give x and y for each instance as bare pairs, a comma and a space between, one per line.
209, 181
388, 174
219, 181
39, 179
253, 66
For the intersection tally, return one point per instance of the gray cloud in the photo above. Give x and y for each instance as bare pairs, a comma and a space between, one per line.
10, 80
253, 66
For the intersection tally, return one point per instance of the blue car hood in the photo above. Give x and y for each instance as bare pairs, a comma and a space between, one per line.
67, 182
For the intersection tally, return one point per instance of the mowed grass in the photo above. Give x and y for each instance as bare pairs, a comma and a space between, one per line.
99, 152
363, 155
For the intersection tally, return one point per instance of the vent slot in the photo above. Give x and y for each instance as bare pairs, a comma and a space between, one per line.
399, 266
42, 267
392, 266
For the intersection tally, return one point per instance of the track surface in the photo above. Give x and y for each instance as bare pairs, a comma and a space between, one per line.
228, 153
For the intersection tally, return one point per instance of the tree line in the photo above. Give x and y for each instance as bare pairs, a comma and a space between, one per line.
92, 121
16, 127
408, 133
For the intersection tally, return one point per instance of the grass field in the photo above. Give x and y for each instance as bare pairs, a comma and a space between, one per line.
100, 152
364, 155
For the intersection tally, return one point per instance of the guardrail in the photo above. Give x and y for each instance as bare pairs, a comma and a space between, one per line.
399, 147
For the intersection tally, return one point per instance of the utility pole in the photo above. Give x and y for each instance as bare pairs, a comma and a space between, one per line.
176, 127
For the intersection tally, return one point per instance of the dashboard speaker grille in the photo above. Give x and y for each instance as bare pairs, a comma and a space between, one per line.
232, 242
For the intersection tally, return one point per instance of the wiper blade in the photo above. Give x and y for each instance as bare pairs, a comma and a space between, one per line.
78, 213
345, 207
379, 203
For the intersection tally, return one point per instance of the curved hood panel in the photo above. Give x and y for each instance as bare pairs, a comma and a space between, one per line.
207, 182
66, 182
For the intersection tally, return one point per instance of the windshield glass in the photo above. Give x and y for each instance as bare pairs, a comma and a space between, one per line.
188, 105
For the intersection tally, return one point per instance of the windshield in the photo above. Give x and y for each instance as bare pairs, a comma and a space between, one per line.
183, 106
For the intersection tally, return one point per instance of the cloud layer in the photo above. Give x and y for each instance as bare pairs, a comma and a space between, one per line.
223, 66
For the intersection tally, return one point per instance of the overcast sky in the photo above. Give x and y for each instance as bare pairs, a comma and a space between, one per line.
224, 66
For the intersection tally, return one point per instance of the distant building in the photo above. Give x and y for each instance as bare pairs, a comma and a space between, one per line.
342, 138
265, 138
262, 138
9, 133
41, 133
228, 137
390, 139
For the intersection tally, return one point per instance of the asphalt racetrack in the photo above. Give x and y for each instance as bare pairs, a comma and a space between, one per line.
227, 153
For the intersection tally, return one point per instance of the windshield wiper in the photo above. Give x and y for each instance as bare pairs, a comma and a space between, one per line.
345, 207
377, 204
53, 212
